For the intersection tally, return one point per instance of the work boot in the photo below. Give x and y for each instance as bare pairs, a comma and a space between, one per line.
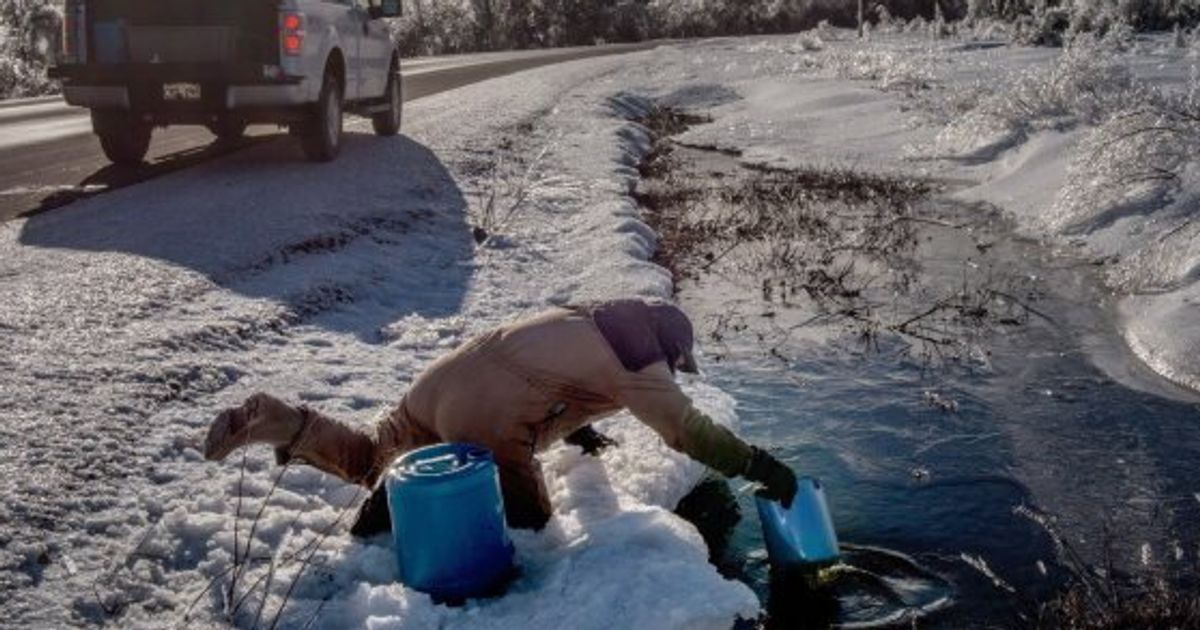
262, 419
373, 517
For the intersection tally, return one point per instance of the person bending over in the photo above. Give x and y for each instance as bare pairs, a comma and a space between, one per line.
516, 390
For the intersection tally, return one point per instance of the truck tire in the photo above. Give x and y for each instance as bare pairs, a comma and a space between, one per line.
387, 122
124, 139
227, 129
322, 135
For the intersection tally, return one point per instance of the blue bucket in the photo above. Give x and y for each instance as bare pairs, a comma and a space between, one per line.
448, 522
803, 535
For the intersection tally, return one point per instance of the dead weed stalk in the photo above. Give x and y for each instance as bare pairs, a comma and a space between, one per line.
837, 242
504, 197
244, 559
1102, 598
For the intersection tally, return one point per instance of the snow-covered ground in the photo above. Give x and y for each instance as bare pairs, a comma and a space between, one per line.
130, 319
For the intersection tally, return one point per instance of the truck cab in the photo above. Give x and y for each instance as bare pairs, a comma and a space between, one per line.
225, 64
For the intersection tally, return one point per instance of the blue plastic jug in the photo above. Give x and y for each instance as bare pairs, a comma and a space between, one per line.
803, 535
448, 522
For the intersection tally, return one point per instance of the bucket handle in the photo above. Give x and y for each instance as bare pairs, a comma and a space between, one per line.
437, 462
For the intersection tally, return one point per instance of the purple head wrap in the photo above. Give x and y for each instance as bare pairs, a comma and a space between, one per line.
642, 333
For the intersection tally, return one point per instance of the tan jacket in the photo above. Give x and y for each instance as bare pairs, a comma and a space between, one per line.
522, 387
516, 390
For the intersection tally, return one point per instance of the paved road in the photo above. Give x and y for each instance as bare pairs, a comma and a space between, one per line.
49, 158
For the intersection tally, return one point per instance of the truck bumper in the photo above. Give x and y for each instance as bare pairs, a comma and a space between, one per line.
254, 92
244, 96
126, 73
236, 97
97, 96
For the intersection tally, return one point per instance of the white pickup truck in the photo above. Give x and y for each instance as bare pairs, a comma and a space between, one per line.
225, 64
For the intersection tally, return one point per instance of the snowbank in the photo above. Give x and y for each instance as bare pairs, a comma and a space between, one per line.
1096, 151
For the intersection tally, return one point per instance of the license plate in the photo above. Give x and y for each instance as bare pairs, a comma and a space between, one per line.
181, 92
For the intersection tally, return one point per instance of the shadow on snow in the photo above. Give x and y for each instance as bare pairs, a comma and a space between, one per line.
382, 231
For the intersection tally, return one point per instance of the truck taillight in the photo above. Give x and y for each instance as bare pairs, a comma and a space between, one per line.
74, 42
291, 33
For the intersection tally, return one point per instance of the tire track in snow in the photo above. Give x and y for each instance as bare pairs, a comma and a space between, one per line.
96, 460
243, 334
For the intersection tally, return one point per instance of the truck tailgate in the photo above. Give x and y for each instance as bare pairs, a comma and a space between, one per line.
182, 44
184, 31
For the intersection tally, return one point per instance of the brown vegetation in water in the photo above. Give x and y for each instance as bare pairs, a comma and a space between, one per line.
836, 244
1100, 598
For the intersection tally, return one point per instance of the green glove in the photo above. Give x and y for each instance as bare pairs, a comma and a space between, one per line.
713, 445
779, 480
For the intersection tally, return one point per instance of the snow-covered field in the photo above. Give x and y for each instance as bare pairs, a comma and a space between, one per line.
128, 320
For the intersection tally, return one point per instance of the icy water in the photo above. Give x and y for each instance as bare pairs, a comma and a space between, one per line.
929, 468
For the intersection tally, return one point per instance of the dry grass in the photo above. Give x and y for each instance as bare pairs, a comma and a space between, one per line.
836, 244
1157, 605
1103, 598
503, 184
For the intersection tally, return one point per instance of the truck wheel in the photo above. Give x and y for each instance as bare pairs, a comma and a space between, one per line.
227, 129
124, 139
387, 122
322, 137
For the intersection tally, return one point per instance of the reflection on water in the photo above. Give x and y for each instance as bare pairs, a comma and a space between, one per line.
870, 588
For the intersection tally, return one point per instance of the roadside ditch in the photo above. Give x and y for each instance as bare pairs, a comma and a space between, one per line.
864, 321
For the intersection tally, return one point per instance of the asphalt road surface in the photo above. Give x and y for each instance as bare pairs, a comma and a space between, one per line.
49, 157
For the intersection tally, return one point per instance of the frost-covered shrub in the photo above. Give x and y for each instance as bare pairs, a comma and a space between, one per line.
1118, 35
1133, 161
904, 71
940, 29
1043, 28
824, 30
1087, 84
1179, 38
978, 9
1051, 22
1143, 14
810, 42
435, 27
453, 26
986, 29
18, 79
29, 41
884, 22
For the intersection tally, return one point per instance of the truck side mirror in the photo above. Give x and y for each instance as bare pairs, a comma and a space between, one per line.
386, 9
